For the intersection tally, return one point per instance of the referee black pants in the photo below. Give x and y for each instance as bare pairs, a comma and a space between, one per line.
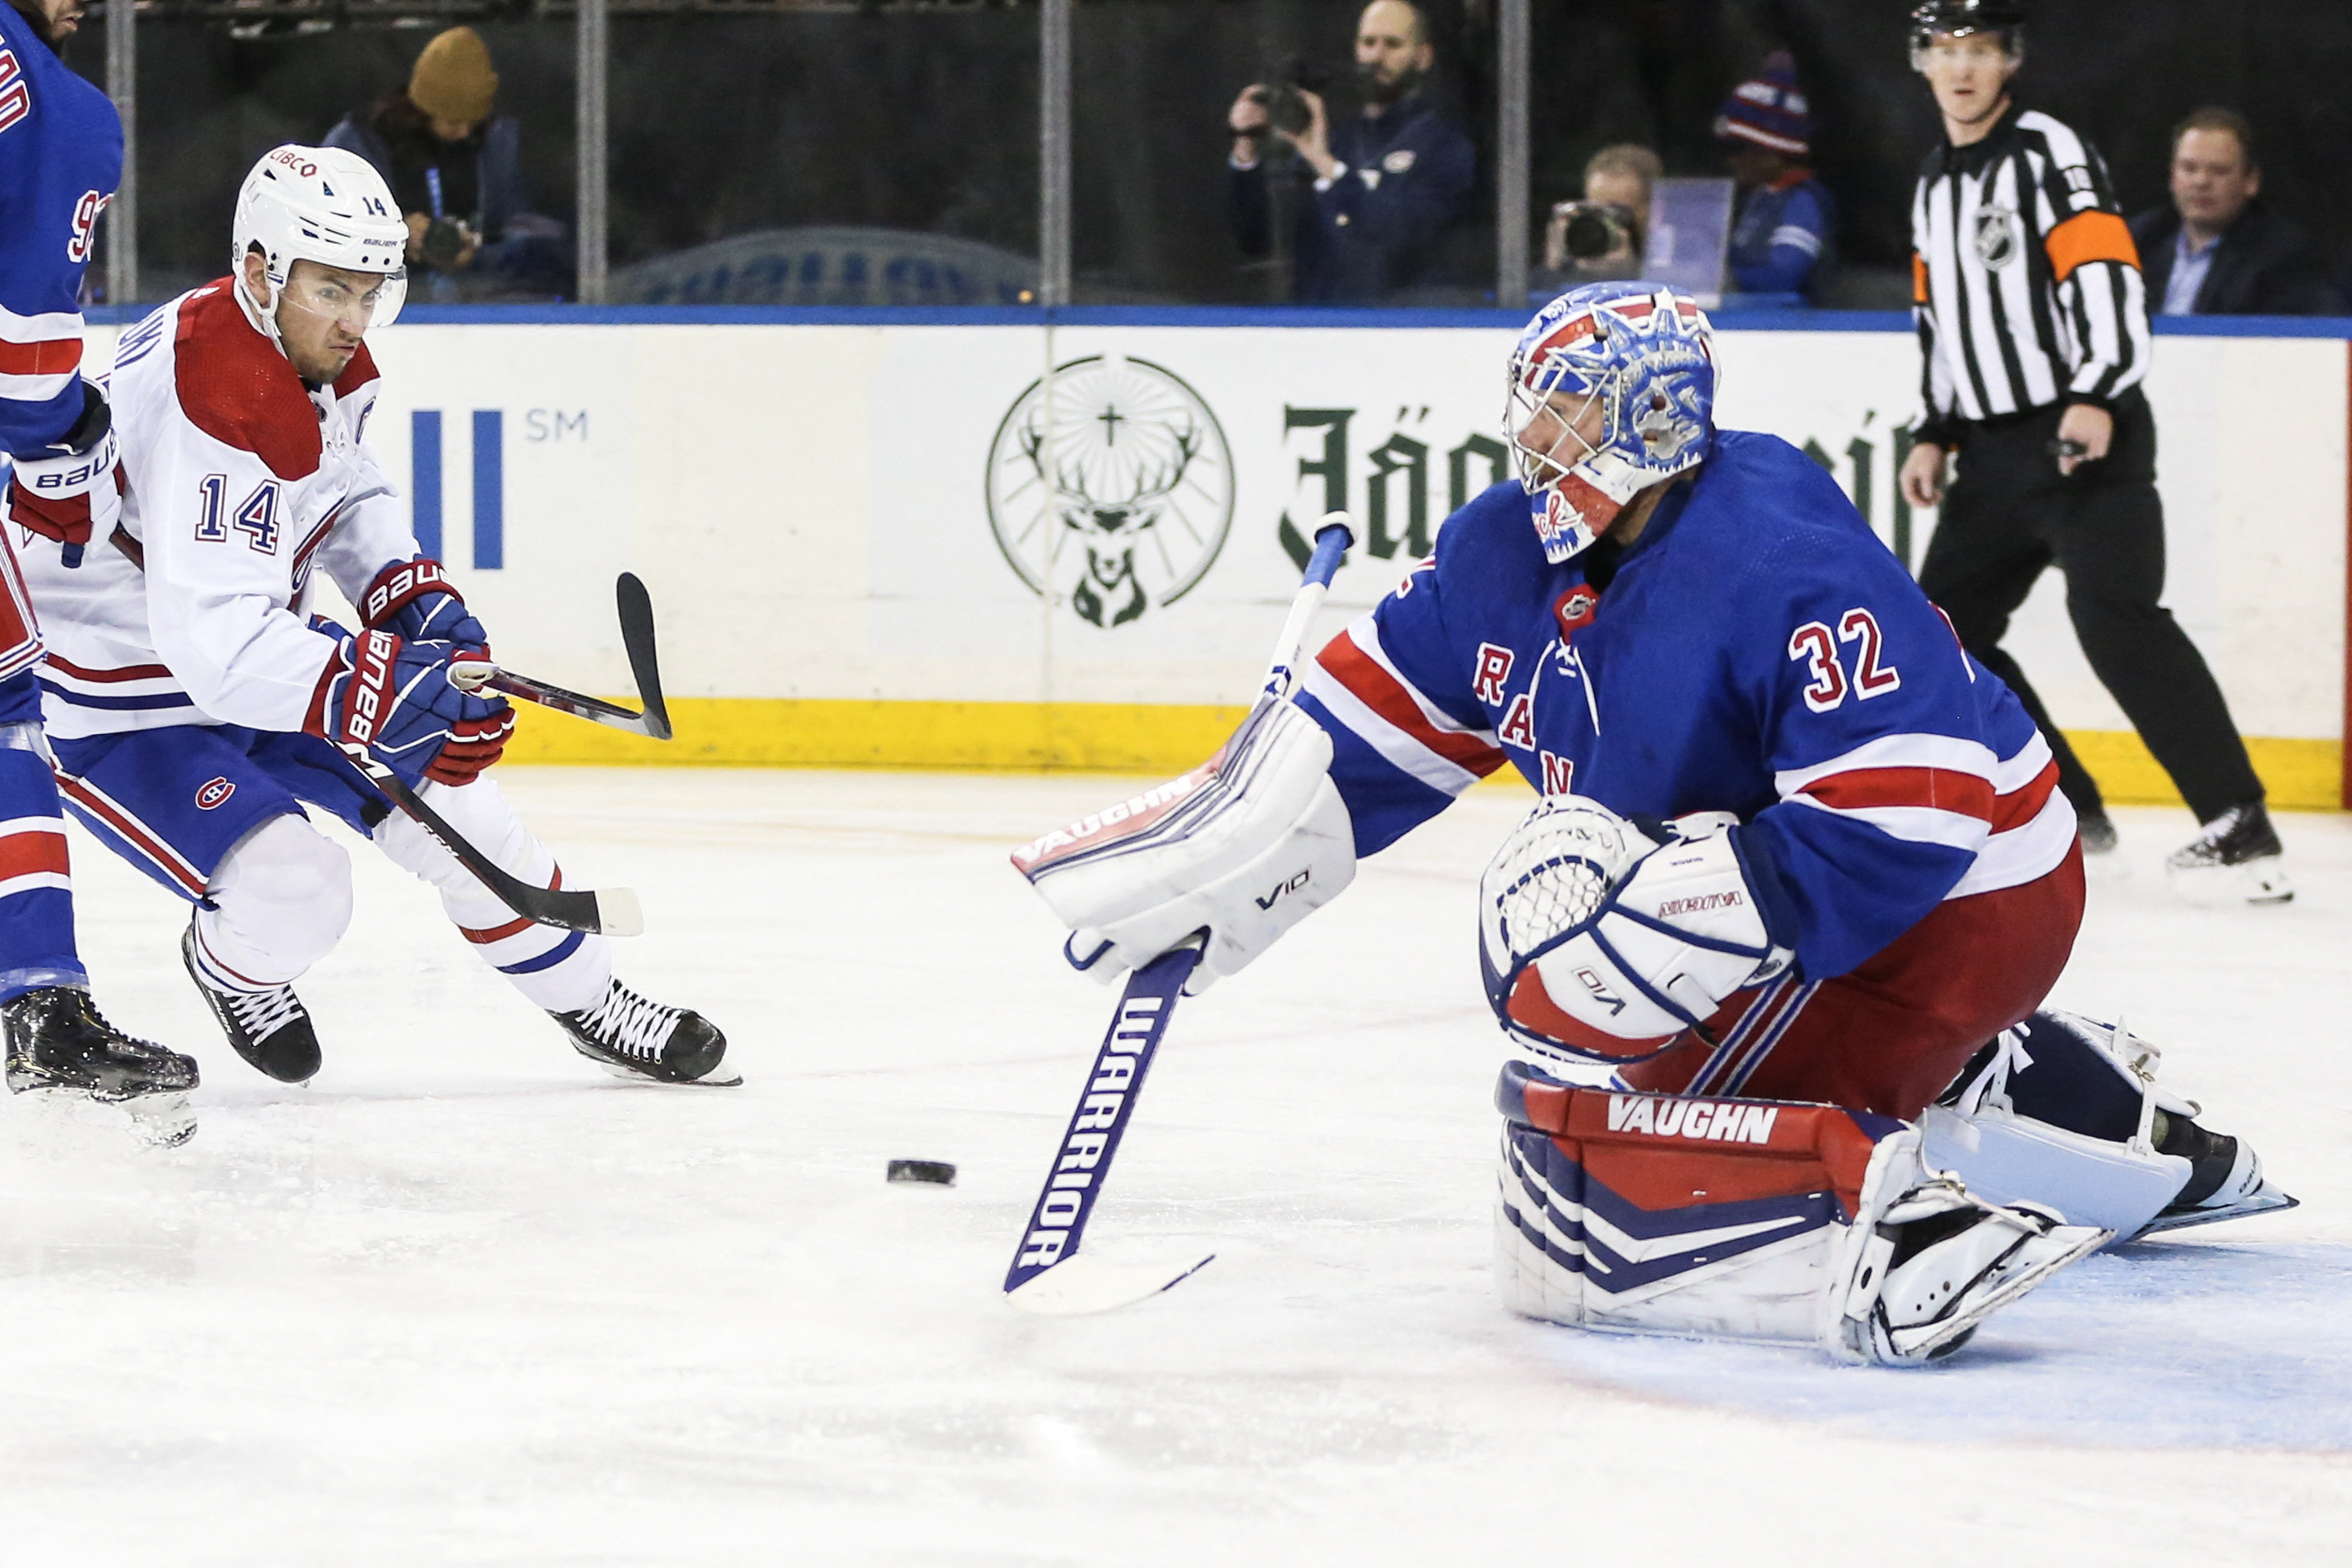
2007, 516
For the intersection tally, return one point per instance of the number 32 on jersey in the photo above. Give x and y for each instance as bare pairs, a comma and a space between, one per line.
1817, 646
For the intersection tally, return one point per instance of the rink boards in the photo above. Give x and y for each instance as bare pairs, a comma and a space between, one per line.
907, 543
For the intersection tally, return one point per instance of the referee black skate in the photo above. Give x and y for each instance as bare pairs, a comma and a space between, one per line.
2033, 328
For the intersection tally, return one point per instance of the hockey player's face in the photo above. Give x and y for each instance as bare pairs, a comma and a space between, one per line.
58, 19
322, 313
1969, 74
1565, 428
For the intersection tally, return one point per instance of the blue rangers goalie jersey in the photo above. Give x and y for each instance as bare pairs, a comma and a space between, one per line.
1757, 650
60, 160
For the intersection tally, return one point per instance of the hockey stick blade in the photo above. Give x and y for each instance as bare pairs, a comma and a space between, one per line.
636, 614
1057, 1221
1078, 1286
613, 912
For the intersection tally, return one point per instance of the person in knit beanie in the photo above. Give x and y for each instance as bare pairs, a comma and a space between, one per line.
456, 170
1787, 222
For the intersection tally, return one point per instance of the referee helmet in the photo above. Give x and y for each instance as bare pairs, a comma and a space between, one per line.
2005, 18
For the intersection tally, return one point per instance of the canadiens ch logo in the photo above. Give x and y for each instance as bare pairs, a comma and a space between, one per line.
1996, 234
1110, 487
214, 793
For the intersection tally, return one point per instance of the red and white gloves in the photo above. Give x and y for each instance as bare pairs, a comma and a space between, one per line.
399, 701
1599, 941
71, 490
1243, 846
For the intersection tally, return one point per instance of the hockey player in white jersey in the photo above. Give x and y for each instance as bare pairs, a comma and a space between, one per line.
196, 705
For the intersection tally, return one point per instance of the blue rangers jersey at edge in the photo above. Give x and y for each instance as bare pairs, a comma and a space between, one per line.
60, 160
1756, 651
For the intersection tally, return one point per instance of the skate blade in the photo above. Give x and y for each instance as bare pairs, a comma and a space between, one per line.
1083, 1284
2261, 881
156, 1120
2262, 1200
709, 1080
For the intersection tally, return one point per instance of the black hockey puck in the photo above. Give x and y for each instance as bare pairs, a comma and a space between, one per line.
938, 1173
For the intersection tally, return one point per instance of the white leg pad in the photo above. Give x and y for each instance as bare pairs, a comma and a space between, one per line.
558, 969
2005, 1158
282, 899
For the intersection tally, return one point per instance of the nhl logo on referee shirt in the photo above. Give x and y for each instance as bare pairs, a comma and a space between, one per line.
1996, 233
1110, 487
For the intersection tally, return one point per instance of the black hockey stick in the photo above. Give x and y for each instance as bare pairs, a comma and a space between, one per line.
636, 610
614, 911
1048, 1274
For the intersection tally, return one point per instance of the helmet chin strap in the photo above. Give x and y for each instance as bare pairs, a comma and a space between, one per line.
263, 316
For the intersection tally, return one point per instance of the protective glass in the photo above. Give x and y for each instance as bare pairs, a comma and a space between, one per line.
340, 298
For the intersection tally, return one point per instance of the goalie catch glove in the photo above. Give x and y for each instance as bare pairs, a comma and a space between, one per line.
1242, 847
71, 490
400, 702
1598, 941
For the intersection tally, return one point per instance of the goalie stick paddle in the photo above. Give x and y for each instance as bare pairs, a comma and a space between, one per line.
1049, 1276
636, 611
614, 911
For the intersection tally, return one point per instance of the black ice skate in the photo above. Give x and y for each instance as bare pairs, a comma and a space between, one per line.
2097, 831
2234, 860
2225, 1177
631, 1036
271, 1029
58, 1042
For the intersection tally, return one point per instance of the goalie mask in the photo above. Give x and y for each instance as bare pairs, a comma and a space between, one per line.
323, 205
1642, 355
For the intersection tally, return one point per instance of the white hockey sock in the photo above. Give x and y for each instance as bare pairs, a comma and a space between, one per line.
561, 970
282, 899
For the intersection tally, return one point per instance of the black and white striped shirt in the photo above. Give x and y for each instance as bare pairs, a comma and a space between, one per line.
2027, 285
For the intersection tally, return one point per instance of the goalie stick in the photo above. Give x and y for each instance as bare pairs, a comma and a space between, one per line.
636, 614
1048, 1274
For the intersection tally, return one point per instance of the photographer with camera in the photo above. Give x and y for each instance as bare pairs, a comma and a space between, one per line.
457, 174
1385, 185
1604, 235
1786, 220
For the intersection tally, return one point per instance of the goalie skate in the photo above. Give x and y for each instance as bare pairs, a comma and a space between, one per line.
270, 1030
2225, 1179
632, 1036
59, 1045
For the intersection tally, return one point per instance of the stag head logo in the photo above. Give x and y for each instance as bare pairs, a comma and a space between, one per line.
1110, 487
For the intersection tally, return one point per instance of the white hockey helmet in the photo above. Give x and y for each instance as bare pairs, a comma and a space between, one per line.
323, 205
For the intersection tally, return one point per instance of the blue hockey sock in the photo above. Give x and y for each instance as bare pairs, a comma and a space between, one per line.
36, 927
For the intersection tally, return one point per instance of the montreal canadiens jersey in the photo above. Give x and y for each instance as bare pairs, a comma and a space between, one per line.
60, 160
242, 481
1758, 651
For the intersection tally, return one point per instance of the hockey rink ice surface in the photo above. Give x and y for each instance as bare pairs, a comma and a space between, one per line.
464, 1299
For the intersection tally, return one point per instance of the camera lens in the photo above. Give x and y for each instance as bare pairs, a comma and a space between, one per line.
1590, 235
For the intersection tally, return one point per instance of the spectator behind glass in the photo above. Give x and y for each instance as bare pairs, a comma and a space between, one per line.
457, 174
2217, 251
1782, 232
1619, 178
1386, 185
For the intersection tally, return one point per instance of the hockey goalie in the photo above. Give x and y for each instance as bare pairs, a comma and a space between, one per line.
1772, 950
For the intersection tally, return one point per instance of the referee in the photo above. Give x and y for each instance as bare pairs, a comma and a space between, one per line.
2033, 330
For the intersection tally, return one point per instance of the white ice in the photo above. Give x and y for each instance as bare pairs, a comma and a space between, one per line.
465, 1301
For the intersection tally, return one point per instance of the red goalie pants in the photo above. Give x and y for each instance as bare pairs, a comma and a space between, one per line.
1891, 1035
